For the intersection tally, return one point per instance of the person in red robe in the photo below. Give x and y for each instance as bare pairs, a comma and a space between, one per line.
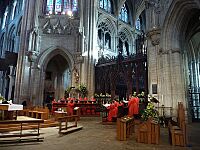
133, 107
112, 112
70, 108
136, 107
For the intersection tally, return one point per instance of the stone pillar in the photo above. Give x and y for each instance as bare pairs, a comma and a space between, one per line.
153, 61
177, 81
21, 93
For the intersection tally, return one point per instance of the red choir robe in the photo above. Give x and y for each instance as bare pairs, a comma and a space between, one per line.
136, 106
133, 106
70, 108
112, 112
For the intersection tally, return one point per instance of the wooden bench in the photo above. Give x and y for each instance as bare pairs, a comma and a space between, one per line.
65, 128
148, 132
21, 136
178, 130
125, 127
36, 112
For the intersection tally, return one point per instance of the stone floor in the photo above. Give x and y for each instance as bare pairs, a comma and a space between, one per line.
95, 136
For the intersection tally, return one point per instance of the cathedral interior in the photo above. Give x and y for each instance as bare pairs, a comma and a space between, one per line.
113, 47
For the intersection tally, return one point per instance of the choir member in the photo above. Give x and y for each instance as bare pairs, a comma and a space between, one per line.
70, 108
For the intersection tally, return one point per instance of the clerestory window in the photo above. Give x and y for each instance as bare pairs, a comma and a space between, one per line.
124, 14
106, 5
61, 6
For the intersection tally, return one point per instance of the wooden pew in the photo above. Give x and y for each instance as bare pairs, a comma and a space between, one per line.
178, 130
148, 132
36, 112
125, 127
65, 128
21, 136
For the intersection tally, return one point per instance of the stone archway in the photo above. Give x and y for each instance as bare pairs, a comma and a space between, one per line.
173, 76
55, 67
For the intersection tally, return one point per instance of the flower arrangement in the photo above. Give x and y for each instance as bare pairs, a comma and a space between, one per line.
83, 89
2, 98
150, 112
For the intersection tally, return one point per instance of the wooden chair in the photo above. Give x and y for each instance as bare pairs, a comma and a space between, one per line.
178, 130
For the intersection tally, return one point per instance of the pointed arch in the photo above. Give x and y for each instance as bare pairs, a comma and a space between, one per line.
49, 53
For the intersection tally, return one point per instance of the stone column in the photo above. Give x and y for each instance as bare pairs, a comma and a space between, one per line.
153, 61
21, 93
177, 81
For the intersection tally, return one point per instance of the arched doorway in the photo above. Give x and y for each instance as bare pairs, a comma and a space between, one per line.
181, 25
193, 64
57, 78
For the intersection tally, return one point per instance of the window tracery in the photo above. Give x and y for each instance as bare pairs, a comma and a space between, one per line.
104, 37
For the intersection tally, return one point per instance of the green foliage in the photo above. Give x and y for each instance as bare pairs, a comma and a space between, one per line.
150, 112
83, 89
67, 91
2, 98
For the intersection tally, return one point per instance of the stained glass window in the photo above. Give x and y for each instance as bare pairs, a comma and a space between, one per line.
137, 24
61, 6
49, 6
58, 6
106, 5
124, 13
75, 5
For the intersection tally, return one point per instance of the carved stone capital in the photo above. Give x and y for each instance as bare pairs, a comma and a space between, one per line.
176, 50
154, 36
163, 52
78, 57
32, 56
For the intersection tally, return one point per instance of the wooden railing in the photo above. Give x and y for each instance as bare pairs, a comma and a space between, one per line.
64, 127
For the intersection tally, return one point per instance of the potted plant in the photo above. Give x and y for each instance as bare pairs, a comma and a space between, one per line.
150, 113
2, 99
83, 89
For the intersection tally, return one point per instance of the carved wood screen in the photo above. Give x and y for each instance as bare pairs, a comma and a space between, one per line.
123, 75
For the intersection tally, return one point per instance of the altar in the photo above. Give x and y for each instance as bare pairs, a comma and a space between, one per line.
7, 111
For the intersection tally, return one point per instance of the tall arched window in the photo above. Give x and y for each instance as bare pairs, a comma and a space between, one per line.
106, 5
1, 45
124, 13
138, 24
5, 18
11, 38
61, 6
13, 9
123, 44
58, 4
